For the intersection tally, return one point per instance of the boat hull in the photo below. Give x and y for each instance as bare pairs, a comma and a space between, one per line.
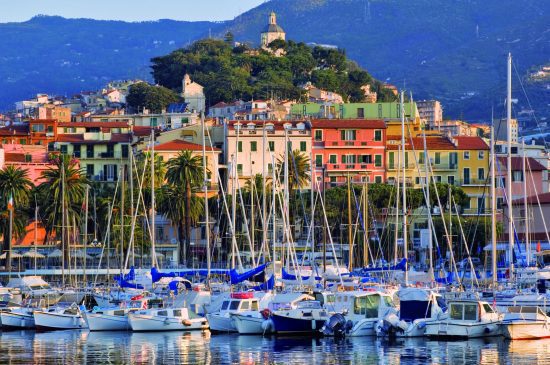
105, 322
453, 330
221, 323
12, 320
523, 330
290, 325
47, 321
251, 325
150, 323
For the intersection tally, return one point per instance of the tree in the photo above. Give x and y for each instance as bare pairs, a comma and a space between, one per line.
64, 183
186, 172
14, 184
298, 169
154, 98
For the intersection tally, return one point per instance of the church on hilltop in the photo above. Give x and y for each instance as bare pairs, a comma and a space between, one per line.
272, 31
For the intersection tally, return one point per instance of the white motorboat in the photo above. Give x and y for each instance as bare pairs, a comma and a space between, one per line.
357, 313
59, 318
17, 318
467, 318
525, 323
222, 320
417, 308
166, 319
115, 318
308, 317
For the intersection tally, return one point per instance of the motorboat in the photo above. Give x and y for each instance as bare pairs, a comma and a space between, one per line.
259, 321
238, 302
525, 323
466, 318
308, 317
357, 313
115, 318
417, 308
59, 318
166, 319
17, 318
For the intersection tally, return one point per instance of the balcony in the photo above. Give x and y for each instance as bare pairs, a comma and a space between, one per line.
476, 211
409, 166
97, 136
351, 166
473, 182
443, 166
347, 144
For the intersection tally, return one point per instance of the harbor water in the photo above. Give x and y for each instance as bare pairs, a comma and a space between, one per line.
78, 347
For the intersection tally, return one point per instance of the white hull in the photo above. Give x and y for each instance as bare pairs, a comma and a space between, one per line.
250, 325
58, 321
16, 320
146, 322
106, 322
523, 330
221, 322
415, 329
364, 327
449, 329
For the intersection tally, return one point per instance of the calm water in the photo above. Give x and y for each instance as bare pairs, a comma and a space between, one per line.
70, 347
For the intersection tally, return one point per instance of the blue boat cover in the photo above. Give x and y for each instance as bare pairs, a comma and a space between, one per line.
234, 276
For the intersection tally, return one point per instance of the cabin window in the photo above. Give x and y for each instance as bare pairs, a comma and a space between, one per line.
488, 308
225, 305
470, 312
245, 305
388, 301
456, 311
254, 305
118, 313
234, 305
367, 305
163, 313
331, 298
177, 312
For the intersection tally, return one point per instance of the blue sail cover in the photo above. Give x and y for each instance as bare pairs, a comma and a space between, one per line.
268, 285
124, 280
287, 276
234, 276
401, 266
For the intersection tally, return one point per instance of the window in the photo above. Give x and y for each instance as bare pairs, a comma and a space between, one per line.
406, 159
421, 158
480, 205
361, 113
240, 146
124, 149
378, 179
332, 159
517, 175
466, 155
455, 311
466, 175
488, 308
348, 134
377, 135
367, 305
38, 127
253, 146
437, 158
271, 146
303, 146
366, 159
437, 178
470, 312
28, 158
49, 129
378, 160
269, 168
289, 146
480, 155
318, 135
348, 159
63, 149
89, 170
90, 151
451, 179
254, 305
234, 304
245, 305
163, 313
318, 160
481, 173
22, 141
239, 169
391, 161
225, 305
453, 159
153, 122
177, 312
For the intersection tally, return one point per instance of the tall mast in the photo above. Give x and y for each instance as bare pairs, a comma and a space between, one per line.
365, 224
264, 196
493, 209
122, 218
404, 186
428, 204
153, 233
509, 167
350, 233
63, 219
287, 199
205, 189
85, 236
234, 193
131, 182
526, 217
397, 194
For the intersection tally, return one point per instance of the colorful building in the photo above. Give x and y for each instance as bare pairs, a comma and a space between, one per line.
351, 148
353, 110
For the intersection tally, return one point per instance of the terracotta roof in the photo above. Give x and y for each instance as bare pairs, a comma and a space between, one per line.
432, 143
348, 123
471, 143
544, 198
141, 131
517, 163
179, 145
278, 125
94, 124
221, 104
14, 130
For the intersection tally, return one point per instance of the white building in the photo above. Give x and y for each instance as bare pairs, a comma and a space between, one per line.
193, 94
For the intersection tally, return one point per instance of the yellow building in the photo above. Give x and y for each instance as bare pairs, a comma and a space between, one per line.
461, 161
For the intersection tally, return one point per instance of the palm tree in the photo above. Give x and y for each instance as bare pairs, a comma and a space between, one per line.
15, 184
298, 169
64, 181
186, 172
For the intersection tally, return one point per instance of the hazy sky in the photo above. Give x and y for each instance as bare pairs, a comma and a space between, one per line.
130, 10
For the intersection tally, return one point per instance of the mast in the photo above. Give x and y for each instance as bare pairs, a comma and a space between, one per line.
35, 230
493, 209
85, 236
205, 189
63, 218
8, 254
121, 218
404, 186
234, 205
350, 233
509, 167
396, 232
252, 217
428, 204
153, 233
287, 199
366, 224
264, 196
131, 181
526, 217
274, 211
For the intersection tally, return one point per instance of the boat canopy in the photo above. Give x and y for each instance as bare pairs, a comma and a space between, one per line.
234, 276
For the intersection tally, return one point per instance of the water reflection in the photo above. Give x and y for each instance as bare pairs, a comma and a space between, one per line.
23, 347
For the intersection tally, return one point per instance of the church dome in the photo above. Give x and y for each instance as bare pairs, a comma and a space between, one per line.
273, 28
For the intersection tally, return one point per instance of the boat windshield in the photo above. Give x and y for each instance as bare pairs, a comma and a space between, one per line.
463, 311
225, 304
367, 305
234, 304
309, 304
488, 308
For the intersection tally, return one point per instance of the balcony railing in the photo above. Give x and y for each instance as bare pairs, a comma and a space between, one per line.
473, 182
347, 143
351, 166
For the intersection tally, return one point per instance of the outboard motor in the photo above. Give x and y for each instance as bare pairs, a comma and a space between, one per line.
541, 286
335, 326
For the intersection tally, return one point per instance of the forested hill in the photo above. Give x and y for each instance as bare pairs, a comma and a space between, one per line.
453, 50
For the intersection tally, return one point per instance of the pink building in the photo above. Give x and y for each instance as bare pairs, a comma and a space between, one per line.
534, 172
33, 158
352, 147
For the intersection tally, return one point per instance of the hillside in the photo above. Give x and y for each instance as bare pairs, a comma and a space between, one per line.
453, 50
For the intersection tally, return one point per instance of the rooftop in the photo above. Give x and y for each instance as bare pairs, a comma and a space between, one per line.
180, 145
517, 163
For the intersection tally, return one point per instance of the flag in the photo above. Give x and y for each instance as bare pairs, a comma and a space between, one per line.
538, 246
10, 203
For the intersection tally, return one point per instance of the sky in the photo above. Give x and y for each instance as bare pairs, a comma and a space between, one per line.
128, 10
